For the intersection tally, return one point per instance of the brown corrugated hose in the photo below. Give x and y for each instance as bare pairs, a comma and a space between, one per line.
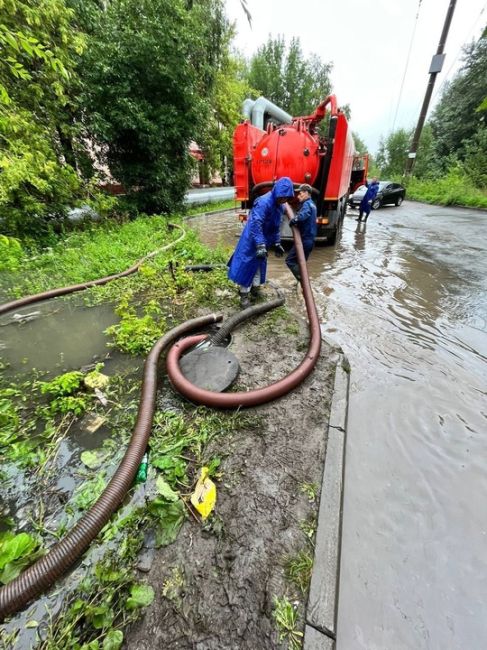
261, 395
43, 573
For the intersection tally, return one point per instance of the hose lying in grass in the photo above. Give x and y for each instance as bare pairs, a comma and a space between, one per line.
45, 571
62, 291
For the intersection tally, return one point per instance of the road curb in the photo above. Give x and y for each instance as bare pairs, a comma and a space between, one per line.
321, 611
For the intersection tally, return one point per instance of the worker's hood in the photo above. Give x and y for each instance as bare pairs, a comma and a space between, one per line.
283, 188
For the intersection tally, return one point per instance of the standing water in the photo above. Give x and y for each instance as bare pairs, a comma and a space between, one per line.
410, 306
406, 298
55, 335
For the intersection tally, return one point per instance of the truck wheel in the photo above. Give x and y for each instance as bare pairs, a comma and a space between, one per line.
331, 239
376, 204
399, 200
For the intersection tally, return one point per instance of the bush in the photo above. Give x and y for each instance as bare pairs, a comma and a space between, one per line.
11, 253
455, 188
149, 74
35, 188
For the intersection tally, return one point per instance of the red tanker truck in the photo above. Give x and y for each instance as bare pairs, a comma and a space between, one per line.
296, 149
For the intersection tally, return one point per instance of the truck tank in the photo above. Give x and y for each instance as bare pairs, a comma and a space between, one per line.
299, 151
286, 152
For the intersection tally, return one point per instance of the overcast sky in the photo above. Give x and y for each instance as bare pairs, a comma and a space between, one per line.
368, 43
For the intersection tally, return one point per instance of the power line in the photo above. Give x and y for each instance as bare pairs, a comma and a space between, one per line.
435, 69
407, 65
415, 110
470, 31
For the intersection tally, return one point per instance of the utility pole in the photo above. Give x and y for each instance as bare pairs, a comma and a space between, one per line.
435, 68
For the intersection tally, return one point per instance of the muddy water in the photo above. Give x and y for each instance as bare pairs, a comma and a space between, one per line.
55, 335
406, 298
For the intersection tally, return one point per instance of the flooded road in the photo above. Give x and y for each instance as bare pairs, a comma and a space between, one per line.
406, 298
410, 306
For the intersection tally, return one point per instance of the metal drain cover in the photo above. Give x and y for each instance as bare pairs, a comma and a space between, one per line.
212, 368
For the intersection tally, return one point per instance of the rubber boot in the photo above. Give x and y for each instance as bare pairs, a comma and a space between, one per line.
244, 300
295, 271
255, 292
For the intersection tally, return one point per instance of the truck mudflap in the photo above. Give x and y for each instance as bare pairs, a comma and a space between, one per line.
326, 232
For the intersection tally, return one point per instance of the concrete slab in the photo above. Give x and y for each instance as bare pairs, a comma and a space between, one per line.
323, 596
314, 640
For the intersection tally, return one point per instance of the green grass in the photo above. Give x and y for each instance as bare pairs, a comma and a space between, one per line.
100, 249
298, 570
453, 189
211, 207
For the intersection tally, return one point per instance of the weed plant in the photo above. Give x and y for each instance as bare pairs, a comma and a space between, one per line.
37, 415
310, 490
286, 619
455, 188
109, 597
298, 570
101, 249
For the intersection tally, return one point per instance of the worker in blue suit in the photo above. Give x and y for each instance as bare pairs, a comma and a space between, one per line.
369, 196
305, 220
248, 265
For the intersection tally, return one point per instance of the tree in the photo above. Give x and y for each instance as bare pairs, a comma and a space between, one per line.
360, 145
427, 164
475, 162
37, 64
461, 111
150, 73
284, 76
230, 89
392, 153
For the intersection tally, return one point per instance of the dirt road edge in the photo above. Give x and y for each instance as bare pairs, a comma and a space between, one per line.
321, 612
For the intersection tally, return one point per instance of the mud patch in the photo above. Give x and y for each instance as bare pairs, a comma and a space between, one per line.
215, 586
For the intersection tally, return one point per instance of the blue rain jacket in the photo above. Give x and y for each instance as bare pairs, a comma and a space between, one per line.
262, 227
306, 218
370, 194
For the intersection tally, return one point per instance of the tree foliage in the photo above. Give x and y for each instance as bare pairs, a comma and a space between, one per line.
454, 141
392, 153
287, 78
461, 113
230, 89
475, 161
360, 145
37, 65
393, 150
149, 78
38, 47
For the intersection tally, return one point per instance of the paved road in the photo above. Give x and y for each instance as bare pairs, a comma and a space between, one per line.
209, 195
408, 303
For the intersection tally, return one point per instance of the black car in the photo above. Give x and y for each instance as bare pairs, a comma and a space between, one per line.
389, 194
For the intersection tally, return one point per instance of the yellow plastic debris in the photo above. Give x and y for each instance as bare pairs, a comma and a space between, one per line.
204, 495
